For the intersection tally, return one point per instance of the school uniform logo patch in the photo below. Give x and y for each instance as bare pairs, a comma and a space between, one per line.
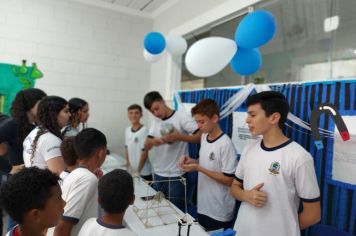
274, 168
136, 140
212, 156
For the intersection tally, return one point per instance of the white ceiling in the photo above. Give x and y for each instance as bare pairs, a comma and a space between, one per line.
141, 8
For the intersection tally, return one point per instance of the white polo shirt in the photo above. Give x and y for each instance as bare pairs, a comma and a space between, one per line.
134, 142
214, 198
94, 227
48, 147
288, 174
166, 156
80, 192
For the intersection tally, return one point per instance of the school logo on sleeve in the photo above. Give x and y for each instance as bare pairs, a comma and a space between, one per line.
212, 156
274, 168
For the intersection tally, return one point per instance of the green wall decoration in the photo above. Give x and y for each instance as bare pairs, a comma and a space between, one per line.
14, 78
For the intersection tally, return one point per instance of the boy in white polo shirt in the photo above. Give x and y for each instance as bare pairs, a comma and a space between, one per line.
135, 136
216, 166
169, 133
116, 193
80, 187
274, 174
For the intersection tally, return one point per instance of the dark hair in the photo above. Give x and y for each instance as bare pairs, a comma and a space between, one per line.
29, 189
116, 191
88, 141
68, 152
75, 105
135, 107
150, 98
48, 111
207, 107
24, 101
271, 102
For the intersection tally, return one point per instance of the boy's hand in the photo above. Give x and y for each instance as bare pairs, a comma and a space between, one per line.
256, 196
171, 137
190, 167
183, 160
150, 142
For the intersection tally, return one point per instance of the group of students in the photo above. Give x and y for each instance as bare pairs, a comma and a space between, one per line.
273, 176
273, 179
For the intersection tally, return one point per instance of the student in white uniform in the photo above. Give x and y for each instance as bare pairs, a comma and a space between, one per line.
169, 145
116, 193
33, 199
69, 157
216, 166
274, 174
80, 187
79, 114
135, 136
41, 146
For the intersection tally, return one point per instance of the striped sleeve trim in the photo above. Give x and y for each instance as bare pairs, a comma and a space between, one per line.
229, 175
196, 131
238, 179
70, 219
310, 200
150, 136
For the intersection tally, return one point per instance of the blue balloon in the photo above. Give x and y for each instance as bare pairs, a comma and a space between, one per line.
154, 42
255, 29
246, 61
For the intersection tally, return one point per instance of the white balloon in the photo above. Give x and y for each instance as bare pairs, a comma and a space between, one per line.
208, 56
151, 57
176, 45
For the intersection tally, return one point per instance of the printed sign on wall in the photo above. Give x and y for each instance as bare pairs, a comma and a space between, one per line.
344, 160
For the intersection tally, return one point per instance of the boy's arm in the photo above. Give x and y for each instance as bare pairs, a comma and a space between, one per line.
152, 141
255, 196
308, 191
310, 215
176, 136
217, 176
64, 228
143, 158
128, 165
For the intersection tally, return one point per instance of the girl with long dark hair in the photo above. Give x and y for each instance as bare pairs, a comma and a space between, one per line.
79, 111
42, 145
13, 130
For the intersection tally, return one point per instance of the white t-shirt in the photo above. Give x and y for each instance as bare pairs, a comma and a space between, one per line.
63, 175
48, 147
80, 192
70, 131
94, 227
134, 142
288, 174
214, 198
166, 156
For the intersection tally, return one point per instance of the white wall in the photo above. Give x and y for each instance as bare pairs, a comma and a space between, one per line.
182, 18
83, 51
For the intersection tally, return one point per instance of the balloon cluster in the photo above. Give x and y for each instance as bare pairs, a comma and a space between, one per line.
155, 43
210, 55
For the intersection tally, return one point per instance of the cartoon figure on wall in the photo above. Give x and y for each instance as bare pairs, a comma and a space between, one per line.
14, 78
339, 122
